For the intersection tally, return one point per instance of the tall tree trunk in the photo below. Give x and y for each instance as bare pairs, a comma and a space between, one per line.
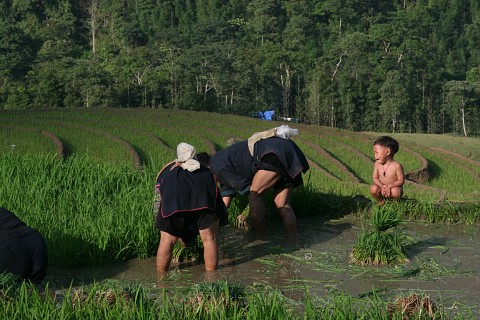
462, 111
286, 81
93, 23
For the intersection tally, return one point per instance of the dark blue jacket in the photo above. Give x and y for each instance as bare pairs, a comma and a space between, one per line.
235, 167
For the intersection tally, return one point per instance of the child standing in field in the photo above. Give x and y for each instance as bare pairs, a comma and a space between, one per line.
388, 176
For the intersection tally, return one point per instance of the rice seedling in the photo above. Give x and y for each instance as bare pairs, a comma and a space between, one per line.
216, 300
427, 269
24, 141
192, 251
380, 245
447, 212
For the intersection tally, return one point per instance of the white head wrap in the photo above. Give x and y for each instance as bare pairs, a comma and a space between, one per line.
186, 154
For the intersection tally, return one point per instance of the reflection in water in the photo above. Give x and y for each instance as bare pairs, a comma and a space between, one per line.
318, 264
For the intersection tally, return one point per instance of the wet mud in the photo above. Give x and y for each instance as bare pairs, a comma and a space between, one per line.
444, 264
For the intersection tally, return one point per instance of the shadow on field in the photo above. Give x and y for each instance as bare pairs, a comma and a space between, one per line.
327, 205
313, 210
313, 214
418, 247
74, 261
434, 169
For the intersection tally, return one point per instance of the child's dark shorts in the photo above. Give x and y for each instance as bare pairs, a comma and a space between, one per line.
271, 162
185, 225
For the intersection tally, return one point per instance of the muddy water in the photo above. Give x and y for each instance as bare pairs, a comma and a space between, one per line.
444, 264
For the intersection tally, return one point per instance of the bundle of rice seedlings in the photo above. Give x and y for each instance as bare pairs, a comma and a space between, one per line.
413, 307
80, 298
243, 220
192, 251
5, 298
384, 218
111, 296
381, 246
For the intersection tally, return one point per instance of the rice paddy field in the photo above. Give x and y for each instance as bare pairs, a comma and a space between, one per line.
85, 177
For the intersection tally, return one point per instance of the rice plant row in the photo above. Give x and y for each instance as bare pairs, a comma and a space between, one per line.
216, 300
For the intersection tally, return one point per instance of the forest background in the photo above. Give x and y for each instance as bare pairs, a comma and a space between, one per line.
392, 66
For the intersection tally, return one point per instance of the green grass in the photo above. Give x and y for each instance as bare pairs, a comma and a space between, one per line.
96, 202
89, 214
217, 300
466, 147
24, 141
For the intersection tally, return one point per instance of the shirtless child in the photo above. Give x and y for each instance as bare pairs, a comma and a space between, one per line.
388, 176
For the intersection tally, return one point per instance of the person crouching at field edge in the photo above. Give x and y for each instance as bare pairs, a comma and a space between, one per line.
23, 250
388, 176
187, 203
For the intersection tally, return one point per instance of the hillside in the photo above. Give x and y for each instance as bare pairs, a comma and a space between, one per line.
439, 166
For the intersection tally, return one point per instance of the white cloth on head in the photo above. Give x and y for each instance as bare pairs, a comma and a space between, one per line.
285, 132
186, 156
259, 136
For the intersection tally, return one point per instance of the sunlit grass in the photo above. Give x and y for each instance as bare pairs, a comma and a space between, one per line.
23, 141
88, 213
467, 147
216, 300
82, 187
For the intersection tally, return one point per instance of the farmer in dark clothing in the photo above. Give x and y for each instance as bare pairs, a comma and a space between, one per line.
266, 160
23, 250
187, 203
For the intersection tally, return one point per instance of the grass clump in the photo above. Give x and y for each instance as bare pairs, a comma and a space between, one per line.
385, 243
413, 307
207, 299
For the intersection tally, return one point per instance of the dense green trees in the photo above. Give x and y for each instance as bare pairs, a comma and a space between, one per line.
394, 66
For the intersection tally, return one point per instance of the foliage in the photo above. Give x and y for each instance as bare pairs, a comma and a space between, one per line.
92, 198
217, 300
89, 214
396, 67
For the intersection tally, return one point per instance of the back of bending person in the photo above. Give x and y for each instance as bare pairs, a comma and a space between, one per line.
252, 168
23, 251
187, 203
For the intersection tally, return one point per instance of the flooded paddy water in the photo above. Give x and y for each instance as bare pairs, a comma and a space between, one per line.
444, 264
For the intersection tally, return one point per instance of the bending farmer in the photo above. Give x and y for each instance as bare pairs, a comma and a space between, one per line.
187, 203
266, 160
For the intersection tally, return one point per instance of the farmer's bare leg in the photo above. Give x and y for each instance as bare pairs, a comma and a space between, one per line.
262, 180
210, 248
282, 202
164, 252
